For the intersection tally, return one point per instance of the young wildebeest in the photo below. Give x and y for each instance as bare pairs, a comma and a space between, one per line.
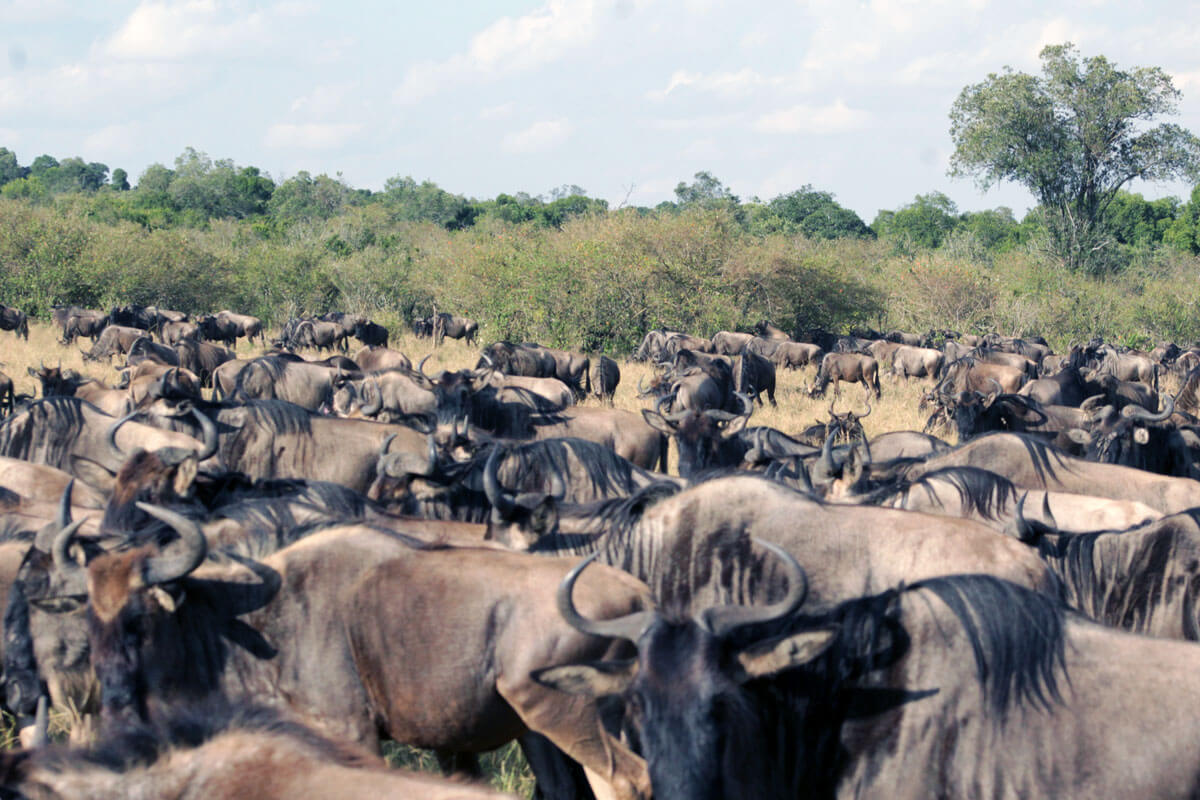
961, 686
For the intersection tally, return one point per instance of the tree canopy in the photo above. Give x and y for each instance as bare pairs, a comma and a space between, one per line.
1073, 136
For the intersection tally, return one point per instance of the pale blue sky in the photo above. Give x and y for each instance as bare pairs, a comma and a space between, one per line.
623, 97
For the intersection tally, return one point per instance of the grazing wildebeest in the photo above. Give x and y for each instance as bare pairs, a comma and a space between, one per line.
14, 319
851, 367
949, 687
113, 340
146, 349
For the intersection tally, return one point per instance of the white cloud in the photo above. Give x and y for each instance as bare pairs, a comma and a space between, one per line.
836, 118
88, 89
122, 139
728, 84
502, 111
539, 136
324, 100
173, 31
508, 45
310, 135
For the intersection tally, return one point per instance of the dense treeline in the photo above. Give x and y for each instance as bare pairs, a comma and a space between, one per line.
565, 269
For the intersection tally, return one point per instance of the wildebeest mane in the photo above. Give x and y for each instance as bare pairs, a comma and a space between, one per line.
279, 417
979, 490
1016, 634
614, 519
45, 432
1127, 593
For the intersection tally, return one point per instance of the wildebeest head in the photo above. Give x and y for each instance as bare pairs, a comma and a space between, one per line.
685, 693
56, 380
1136, 438
705, 438
131, 595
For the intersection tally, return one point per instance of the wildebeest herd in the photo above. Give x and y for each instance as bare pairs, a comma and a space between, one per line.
239, 576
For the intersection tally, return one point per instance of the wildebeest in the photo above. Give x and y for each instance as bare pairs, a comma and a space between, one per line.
851, 367
443, 324
606, 375
754, 375
221, 753
226, 327
346, 580
374, 357
306, 384
146, 349
113, 340
14, 319
6, 395
1032, 464
202, 358
704, 438
172, 333
76, 321
730, 343
917, 362
76, 437
951, 686
794, 355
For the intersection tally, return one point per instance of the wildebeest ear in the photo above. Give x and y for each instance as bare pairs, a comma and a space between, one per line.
656, 421
93, 473
1141, 435
168, 601
32, 371
543, 519
598, 679
772, 656
185, 475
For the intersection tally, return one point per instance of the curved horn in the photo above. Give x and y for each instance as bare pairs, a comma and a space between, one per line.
72, 577
831, 404
41, 724
642, 389
630, 627
1139, 413
64, 506
868, 412
209, 431
192, 548
371, 407
723, 620
421, 366
502, 502
112, 433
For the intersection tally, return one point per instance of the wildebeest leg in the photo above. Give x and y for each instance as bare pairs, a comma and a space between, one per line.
557, 776
459, 764
573, 725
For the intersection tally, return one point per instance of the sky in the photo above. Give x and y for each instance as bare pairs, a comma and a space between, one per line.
625, 98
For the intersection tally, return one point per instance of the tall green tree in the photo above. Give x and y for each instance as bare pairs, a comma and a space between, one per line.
924, 222
818, 216
1073, 136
